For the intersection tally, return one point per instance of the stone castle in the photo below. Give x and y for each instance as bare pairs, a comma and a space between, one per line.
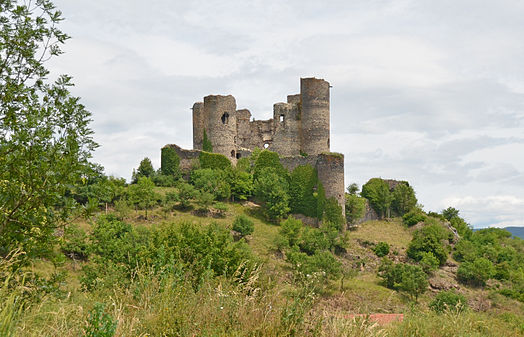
299, 132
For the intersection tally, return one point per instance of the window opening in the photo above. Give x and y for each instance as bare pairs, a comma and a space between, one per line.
266, 145
233, 153
281, 118
238, 156
225, 118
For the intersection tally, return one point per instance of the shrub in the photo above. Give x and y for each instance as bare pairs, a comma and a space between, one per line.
333, 213
477, 272
322, 262
404, 199
221, 208
204, 200
403, 277
313, 240
429, 239
186, 193
243, 225
99, 323
271, 188
74, 243
428, 262
291, 230
413, 217
448, 301
381, 249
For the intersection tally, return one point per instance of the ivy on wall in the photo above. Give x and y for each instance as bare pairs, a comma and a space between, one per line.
206, 143
169, 161
214, 161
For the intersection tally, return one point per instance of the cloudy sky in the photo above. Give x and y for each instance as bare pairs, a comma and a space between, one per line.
427, 91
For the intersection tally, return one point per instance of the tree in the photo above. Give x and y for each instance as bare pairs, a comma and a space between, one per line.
353, 189
355, 207
404, 199
241, 183
145, 169
377, 192
142, 194
272, 189
45, 139
243, 225
450, 213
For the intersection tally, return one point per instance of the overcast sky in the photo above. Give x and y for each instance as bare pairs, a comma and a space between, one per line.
431, 92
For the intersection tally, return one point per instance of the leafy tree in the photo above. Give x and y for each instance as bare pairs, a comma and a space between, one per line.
333, 213
204, 200
243, 225
353, 189
212, 181
291, 230
186, 193
377, 192
145, 169
355, 207
450, 213
169, 162
241, 183
142, 194
404, 199
302, 190
413, 217
45, 139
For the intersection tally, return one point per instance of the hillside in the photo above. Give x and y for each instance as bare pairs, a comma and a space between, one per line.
272, 300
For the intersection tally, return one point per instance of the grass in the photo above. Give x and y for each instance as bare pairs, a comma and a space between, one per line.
269, 305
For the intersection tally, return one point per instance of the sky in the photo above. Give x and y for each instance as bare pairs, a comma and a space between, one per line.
431, 92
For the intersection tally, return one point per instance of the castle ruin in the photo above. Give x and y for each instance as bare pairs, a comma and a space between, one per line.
299, 132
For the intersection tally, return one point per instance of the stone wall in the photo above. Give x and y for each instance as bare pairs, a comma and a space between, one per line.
220, 124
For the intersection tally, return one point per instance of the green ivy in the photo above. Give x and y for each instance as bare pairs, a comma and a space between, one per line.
169, 162
214, 161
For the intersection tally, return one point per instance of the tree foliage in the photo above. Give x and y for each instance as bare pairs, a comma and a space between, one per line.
45, 139
377, 192
404, 199
355, 207
169, 162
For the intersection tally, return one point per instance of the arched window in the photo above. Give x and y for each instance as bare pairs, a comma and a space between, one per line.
225, 118
281, 118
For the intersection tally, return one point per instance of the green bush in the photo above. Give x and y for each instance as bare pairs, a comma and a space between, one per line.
312, 240
214, 161
75, 245
429, 238
403, 277
333, 213
381, 249
429, 262
448, 301
243, 225
413, 217
221, 208
476, 273
291, 230
268, 159
212, 181
322, 262
99, 323
186, 193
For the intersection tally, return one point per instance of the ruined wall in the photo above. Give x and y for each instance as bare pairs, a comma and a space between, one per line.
315, 115
187, 157
198, 125
220, 124
286, 125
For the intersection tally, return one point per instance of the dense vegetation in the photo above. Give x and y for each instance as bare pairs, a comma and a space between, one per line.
215, 250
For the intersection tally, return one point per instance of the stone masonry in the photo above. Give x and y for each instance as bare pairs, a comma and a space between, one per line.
299, 132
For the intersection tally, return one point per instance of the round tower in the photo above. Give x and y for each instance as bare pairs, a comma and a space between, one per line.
330, 168
220, 124
198, 125
314, 115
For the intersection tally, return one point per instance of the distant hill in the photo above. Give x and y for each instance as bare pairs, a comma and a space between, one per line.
516, 231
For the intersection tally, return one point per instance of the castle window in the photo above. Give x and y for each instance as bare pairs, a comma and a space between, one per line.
266, 145
225, 118
281, 118
233, 153
238, 155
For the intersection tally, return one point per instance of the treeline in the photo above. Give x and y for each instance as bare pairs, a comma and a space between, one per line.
212, 180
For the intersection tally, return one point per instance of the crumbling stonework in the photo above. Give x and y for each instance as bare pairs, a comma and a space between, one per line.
299, 132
